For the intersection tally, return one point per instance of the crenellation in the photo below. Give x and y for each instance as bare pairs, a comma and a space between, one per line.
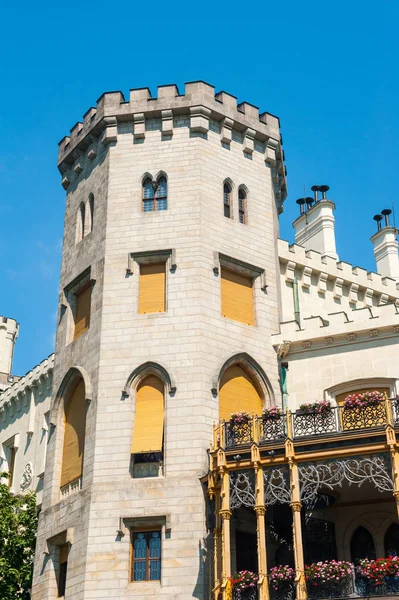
168, 91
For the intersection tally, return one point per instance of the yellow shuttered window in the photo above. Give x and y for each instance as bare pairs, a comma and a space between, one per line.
149, 417
82, 312
237, 297
74, 436
152, 288
237, 392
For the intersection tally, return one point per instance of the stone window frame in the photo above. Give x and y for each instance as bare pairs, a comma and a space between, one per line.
53, 545
148, 257
68, 305
10, 445
154, 180
358, 384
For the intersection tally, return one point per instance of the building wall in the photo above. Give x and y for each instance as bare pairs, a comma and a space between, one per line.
24, 424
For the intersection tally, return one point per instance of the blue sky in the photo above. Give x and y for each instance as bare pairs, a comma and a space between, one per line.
329, 70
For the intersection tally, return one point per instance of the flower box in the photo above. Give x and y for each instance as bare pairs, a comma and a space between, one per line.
271, 413
328, 571
244, 581
281, 577
379, 570
240, 418
356, 401
319, 407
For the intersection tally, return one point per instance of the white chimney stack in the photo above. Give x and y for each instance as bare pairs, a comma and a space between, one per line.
314, 228
386, 247
8, 334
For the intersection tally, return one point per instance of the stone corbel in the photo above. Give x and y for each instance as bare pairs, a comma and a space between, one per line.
139, 126
65, 181
216, 263
110, 133
368, 297
249, 141
307, 277
337, 291
290, 271
322, 283
226, 131
270, 152
384, 299
199, 119
353, 289
167, 122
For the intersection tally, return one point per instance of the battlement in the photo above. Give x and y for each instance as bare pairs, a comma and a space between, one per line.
31, 379
310, 262
9, 329
199, 102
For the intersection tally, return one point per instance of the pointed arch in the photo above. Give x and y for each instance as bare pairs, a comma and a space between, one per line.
227, 196
391, 540
74, 373
362, 545
242, 204
74, 432
253, 368
148, 368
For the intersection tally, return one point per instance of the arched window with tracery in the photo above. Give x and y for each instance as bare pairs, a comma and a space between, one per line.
237, 391
148, 195
74, 437
242, 205
161, 194
362, 545
227, 199
391, 540
148, 430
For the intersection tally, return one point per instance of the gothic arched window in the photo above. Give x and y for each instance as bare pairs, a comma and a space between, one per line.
391, 540
91, 212
74, 435
238, 392
161, 194
148, 195
242, 205
227, 200
362, 545
80, 223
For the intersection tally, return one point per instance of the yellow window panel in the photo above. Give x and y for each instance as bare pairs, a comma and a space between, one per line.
74, 436
237, 392
237, 297
152, 288
149, 417
82, 312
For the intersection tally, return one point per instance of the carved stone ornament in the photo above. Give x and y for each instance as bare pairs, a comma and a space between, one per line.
283, 349
27, 477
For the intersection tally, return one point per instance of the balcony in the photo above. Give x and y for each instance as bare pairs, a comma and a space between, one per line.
354, 587
302, 425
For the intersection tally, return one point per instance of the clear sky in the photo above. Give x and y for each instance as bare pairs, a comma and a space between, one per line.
329, 70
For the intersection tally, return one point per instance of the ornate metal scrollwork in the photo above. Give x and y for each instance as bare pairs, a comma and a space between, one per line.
363, 418
276, 486
272, 429
247, 594
330, 474
238, 434
242, 489
308, 424
331, 589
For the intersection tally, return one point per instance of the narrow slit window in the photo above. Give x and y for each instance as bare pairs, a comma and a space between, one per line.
91, 211
237, 297
148, 195
152, 292
227, 200
62, 570
146, 555
242, 205
11, 465
82, 311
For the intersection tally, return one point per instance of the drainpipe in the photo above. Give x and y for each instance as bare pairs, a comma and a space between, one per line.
283, 368
297, 314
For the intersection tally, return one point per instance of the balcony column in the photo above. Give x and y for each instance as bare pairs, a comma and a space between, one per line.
225, 514
260, 510
393, 451
296, 505
217, 537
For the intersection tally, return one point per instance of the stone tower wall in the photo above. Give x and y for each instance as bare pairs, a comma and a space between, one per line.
192, 140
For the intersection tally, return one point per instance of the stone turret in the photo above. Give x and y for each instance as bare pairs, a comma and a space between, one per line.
9, 329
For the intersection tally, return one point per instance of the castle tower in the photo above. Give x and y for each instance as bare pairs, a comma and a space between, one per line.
9, 329
168, 300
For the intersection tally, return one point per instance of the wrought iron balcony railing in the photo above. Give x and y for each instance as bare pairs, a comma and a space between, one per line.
302, 424
352, 587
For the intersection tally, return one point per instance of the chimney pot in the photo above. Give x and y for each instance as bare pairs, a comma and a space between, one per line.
324, 189
378, 219
315, 189
301, 202
386, 212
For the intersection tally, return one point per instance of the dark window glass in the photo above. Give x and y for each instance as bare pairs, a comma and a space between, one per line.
148, 196
242, 206
227, 200
146, 556
391, 541
62, 575
161, 194
362, 545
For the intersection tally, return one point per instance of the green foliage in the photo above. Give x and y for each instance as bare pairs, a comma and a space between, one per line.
18, 524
